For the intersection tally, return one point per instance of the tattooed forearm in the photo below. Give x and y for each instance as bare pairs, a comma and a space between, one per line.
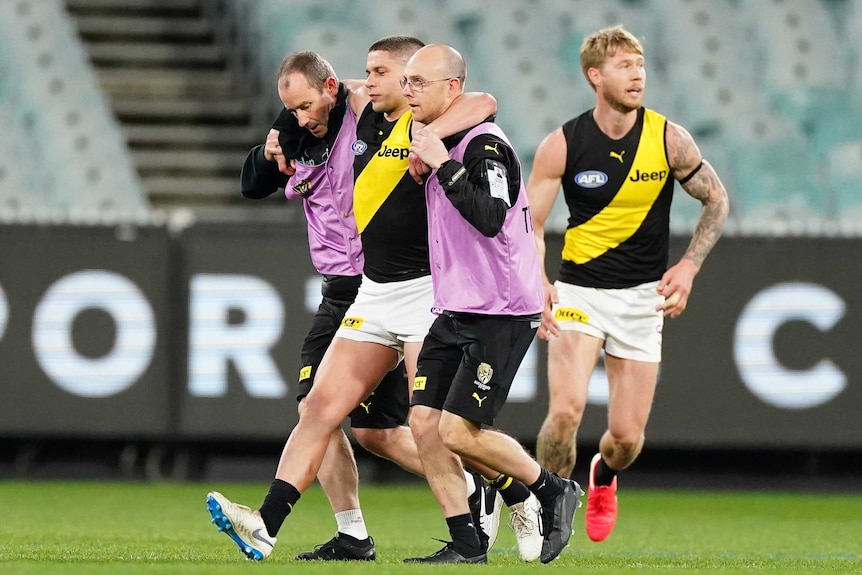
706, 187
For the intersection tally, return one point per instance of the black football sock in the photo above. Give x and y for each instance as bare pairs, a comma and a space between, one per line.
604, 475
465, 538
277, 505
547, 487
511, 490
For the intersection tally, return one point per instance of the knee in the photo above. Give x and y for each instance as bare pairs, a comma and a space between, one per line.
567, 420
423, 423
313, 410
421, 420
374, 440
628, 443
456, 436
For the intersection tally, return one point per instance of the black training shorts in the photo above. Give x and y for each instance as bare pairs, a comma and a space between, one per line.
468, 362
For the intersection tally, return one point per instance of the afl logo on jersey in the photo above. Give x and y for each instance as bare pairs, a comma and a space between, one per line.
591, 179
359, 147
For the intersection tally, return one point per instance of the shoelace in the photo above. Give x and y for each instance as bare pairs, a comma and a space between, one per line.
449, 544
520, 522
329, 547
603, 498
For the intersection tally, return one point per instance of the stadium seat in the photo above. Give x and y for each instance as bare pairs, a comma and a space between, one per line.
834, 125
776, 179
424, 20
842, 170
852, 26
534, 93
17, 191
800, 42
700, 47
345, 49
800, 46
79, 154
685, 210
578, 18
276, 26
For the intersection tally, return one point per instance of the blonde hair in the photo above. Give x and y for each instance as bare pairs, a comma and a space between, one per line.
604, 44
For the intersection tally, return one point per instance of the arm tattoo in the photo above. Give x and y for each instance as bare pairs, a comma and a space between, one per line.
683, 155
703, 185
706, 187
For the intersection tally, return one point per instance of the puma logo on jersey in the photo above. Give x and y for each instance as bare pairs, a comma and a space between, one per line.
479, 399
618, 156
366, 406
492, 149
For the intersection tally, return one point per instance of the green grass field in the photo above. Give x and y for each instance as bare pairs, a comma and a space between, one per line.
130, 528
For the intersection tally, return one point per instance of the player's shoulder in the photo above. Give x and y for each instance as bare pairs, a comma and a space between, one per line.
553, 148
579, 122
367, 114
357, 95
682, 151
373, 124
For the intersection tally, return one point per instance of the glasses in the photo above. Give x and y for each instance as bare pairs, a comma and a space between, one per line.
418, 85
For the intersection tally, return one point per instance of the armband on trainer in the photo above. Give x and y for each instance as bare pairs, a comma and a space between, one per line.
460, 173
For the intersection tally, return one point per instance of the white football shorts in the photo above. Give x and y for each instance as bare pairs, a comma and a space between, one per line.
626, 319
390, 314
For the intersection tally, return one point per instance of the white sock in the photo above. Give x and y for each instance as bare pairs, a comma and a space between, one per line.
471, 485
351, 523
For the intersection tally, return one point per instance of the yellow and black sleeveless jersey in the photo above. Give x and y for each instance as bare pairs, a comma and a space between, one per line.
388, 203
619, 194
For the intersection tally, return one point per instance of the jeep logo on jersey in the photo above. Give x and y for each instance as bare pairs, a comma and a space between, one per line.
387, 152
591, 179
640, 176
359, 147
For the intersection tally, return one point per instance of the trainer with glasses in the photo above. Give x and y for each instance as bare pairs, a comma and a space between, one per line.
616, 164
488, 300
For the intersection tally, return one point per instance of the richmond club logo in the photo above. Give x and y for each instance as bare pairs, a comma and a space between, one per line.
484, 372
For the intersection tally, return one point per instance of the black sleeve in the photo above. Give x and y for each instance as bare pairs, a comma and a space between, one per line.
482, 202
292, 138
260, 178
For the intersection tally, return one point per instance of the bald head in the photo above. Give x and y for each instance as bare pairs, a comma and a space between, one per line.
434, 77
439, 61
